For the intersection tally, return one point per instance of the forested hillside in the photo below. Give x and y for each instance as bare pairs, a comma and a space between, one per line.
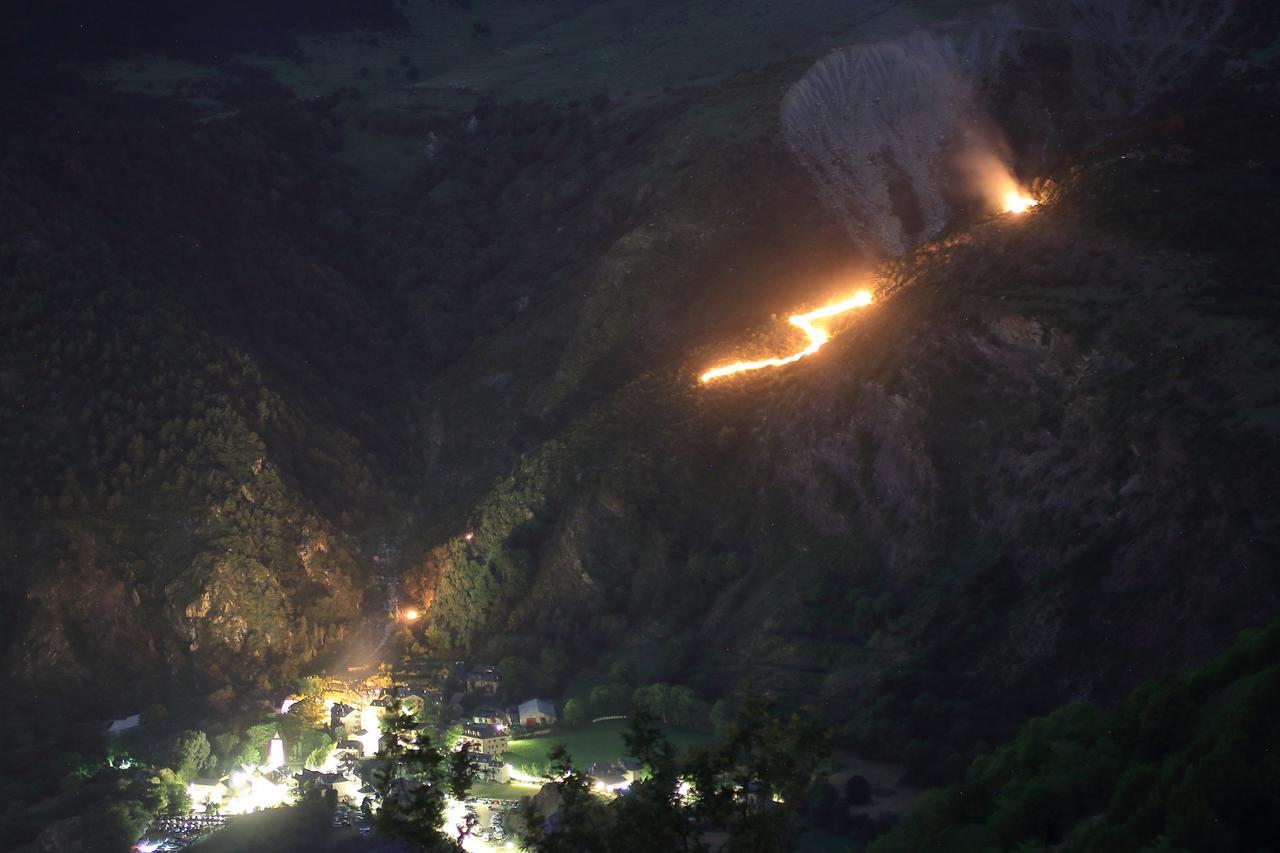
192, 429
271, 362
955, 515
1163, 771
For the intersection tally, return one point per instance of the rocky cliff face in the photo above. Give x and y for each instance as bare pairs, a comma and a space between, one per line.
244, 601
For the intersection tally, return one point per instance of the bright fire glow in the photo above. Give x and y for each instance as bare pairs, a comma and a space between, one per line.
1016, 202
993, 179
805, 323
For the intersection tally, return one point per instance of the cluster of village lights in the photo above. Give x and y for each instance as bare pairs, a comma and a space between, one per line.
267, 786
1014, 202
253, 788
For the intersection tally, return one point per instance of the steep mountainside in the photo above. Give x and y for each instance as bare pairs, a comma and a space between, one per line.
954, 515
251, 341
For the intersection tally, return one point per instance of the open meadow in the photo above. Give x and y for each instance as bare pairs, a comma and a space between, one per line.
588, 745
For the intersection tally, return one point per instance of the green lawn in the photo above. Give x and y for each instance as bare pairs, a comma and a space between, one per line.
589, 744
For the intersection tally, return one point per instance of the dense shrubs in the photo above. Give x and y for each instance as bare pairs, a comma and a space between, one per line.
1183, 764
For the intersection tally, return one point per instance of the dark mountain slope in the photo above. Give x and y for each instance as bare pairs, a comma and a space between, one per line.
953, 516
1040, 468
79, 30
1162, 772
195, 422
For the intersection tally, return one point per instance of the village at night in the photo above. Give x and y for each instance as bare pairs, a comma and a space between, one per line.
640, 426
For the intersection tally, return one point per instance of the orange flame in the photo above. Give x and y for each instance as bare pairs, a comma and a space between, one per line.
804, 322
1016, 202
993, 179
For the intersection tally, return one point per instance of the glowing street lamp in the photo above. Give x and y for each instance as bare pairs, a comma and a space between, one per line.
410, 615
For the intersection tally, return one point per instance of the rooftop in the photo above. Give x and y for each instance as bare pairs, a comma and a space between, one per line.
481, 730
537, 706
130, 722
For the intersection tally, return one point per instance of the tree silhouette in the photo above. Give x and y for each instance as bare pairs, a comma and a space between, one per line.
413, 781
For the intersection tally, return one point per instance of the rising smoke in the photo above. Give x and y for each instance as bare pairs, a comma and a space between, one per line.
893, 132
879, 125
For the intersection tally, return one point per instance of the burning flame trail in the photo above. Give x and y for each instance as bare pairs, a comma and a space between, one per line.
1013, 201
804, 322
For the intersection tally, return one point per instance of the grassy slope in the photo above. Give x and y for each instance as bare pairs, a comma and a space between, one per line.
587, 745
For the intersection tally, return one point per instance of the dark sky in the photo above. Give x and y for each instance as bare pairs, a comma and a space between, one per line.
62, 30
